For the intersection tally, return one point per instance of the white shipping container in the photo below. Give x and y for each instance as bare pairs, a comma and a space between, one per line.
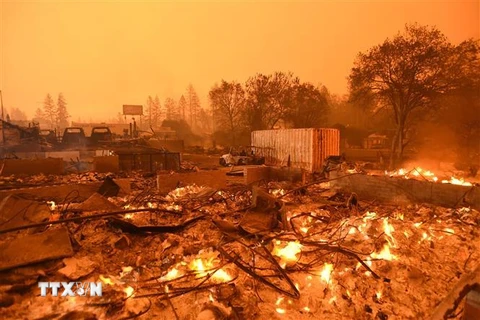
307, 148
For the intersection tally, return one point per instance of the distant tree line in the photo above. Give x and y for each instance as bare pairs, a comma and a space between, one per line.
54, 115
15, 114
266, 102
187, 110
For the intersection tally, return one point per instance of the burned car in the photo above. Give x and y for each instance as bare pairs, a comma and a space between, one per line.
242, 158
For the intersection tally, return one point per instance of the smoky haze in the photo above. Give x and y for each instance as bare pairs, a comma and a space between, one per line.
101, 55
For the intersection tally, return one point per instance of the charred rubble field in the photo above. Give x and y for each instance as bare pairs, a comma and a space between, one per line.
277, 250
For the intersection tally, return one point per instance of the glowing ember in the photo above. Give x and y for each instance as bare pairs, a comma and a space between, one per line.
222, 275
277, 192
384, 254
128, 216
172, 274
388, 229
106, 280
125, 271
429, 175
418, 224
456, 181
205, 267
52, 204
129, 291
326, 272
378, 295
288, 253
304, 229
449, 231
278, 303
281, 311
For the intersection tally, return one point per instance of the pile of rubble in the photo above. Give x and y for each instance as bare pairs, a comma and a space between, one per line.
278, 251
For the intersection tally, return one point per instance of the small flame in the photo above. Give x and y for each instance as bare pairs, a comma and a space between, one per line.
106, 280
278, 303
52, 204
277, 192
129, 291
457, 181
204, 268
378, 295
326, 272
128, 216
388, 229
449, 231
384, 254
287, 253
172, 274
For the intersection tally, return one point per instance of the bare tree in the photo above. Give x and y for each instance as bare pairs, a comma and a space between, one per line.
268, 99
309, 108
50, 111
227, 101
171, 109
408, 72
182, 108
61, 112
193, 104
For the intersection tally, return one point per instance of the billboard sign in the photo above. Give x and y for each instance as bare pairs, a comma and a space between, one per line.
132, 110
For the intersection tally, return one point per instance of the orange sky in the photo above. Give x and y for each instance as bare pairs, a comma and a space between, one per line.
102, 54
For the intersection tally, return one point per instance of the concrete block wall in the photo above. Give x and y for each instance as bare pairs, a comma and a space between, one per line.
400, 190
106, 164
33, 166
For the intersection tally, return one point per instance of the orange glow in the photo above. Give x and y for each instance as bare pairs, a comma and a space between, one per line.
111, 61
384, 254
287, 253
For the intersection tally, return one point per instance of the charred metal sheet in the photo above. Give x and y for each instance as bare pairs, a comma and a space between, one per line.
300, 148
29, 249
16, 211
150, 161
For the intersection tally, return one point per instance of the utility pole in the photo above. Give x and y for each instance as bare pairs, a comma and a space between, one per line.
3, 120
1, 102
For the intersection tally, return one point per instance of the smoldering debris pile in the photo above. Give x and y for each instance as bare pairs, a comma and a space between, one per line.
275, 251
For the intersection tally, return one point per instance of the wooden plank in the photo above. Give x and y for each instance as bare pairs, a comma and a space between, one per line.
29, 249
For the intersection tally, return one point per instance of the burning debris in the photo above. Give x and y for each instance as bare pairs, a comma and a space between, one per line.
428, 175
241, 253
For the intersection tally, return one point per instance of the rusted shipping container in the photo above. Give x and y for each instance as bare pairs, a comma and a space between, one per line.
307, 148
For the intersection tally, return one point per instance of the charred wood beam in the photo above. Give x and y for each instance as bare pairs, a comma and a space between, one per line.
92, 217
467, 282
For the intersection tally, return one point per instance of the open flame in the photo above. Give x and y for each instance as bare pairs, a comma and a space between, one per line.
457, 181
52, 204
427, 174
385, 254
326, 272
201, 266
287, 253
